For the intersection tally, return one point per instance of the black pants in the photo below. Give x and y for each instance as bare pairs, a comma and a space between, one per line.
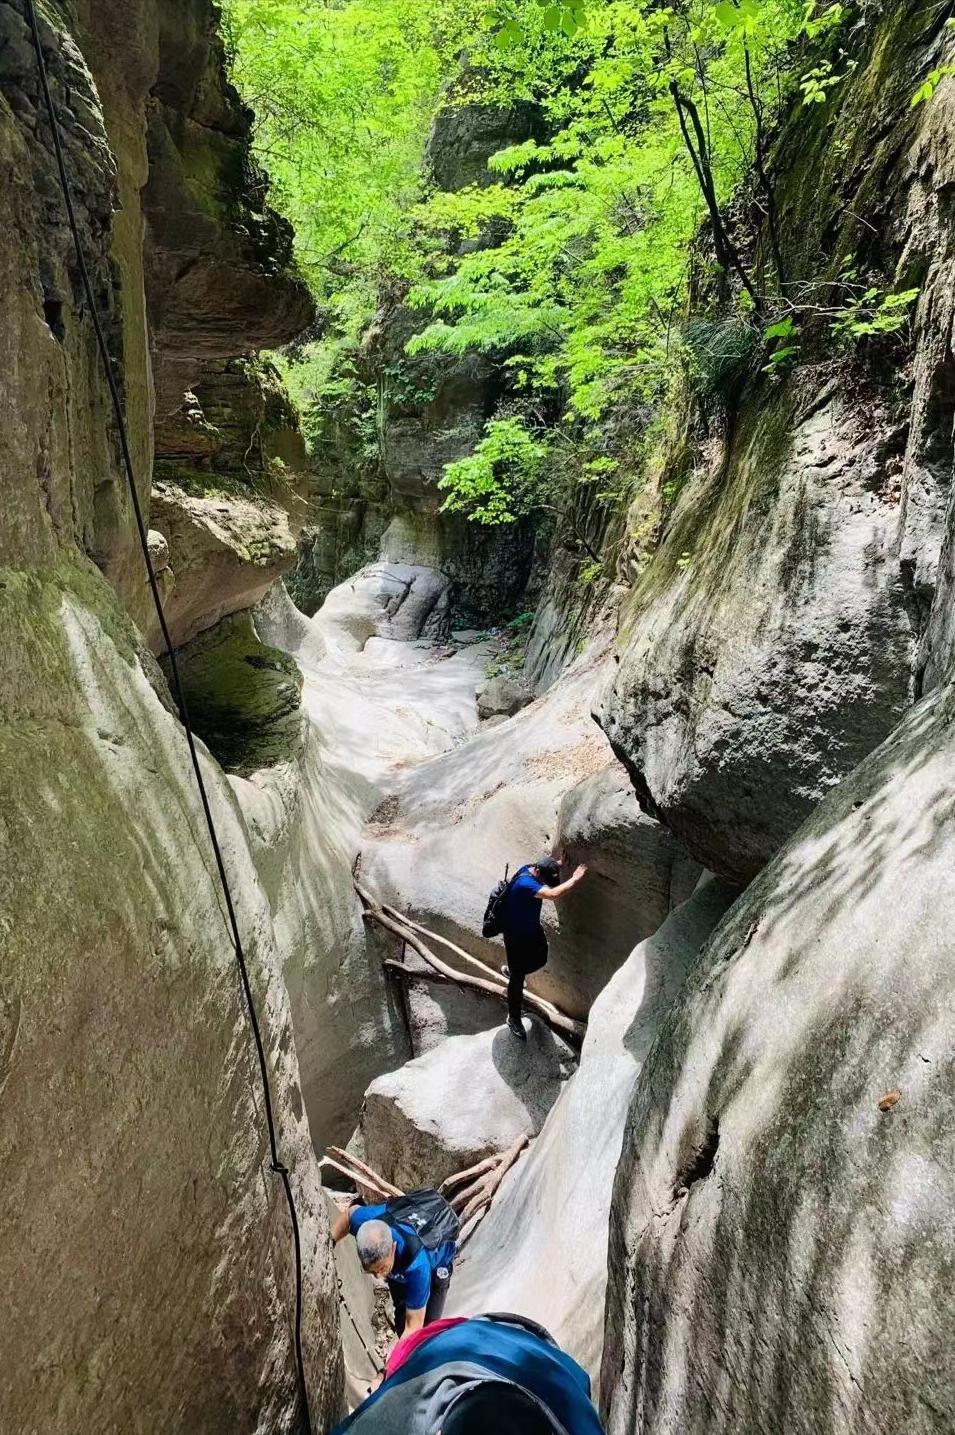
525, 954
436, 1300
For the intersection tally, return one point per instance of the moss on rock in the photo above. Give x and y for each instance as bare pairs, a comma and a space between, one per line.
243, 696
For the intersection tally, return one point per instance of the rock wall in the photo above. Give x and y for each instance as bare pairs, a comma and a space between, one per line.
778, 635
146, 1251
781, 1237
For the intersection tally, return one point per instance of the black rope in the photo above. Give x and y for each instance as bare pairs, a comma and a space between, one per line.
233, 926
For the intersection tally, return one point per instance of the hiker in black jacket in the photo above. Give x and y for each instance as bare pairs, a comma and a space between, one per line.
524, 939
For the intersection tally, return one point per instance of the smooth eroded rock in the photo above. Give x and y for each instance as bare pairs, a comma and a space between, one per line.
459, 820
469, 1098
782, 1239
542, 1248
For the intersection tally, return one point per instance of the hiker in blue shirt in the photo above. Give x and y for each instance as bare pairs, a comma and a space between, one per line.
418, 1277
524, 939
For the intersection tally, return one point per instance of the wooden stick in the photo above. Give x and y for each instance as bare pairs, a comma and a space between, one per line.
550, 1014
444, 941
354, 1176
482, 1191
413, 973
469, 1174
365, 1170
543, 1005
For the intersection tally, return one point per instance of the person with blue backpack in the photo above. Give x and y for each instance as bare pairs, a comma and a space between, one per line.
514, 912
411, 1242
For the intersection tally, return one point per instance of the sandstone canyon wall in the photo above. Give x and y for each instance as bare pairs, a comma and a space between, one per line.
146, 1253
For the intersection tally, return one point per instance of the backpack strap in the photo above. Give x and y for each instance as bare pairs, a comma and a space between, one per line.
413, 1244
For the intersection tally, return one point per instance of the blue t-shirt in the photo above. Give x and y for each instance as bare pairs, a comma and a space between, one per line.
413, 1284
522, 912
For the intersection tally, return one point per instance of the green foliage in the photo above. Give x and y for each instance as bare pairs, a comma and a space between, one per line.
719, 355
570, 268
815, 84
930, 84
784, 338
344, 95
502, 480
874, 312
581, 294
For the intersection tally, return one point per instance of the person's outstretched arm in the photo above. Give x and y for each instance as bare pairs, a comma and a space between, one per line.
340, 1224
553, 894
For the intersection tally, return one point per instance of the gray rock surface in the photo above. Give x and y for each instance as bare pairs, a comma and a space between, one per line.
542, 1248
750, 680
503, 696
364, 725
465, 135
636, 869
226, 550
782, 1238
400, 601
779, 634
468, 1098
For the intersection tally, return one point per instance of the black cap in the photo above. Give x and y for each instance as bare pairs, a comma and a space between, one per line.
498, 1407
548, 867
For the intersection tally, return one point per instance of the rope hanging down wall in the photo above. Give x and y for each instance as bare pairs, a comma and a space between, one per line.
231, 920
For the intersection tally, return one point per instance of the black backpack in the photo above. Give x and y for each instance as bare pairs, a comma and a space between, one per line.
493, 924
428, 1216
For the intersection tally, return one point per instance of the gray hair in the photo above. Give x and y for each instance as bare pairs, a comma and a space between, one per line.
374, 1241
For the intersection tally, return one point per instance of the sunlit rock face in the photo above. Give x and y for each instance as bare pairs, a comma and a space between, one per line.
781, 1234
558, 1196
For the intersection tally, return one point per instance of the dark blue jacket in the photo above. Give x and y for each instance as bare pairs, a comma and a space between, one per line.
416, 1400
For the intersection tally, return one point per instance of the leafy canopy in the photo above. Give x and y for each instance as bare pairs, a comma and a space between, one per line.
581, 295
571, 267
344, 94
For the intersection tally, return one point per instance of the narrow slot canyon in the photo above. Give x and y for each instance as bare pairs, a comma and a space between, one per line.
446, 448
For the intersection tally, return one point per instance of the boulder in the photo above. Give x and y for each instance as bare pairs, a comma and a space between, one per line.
503, 696
226, 550
542, 1248
489, 568
781, 1240
399, 601
466, 134
469, 1098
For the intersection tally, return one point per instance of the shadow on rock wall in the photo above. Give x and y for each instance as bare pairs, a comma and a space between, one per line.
781, 1246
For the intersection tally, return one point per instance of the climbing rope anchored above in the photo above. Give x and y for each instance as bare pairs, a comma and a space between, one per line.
277, 1165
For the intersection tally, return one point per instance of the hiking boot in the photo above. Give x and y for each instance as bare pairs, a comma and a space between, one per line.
506, 972
516, 1028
